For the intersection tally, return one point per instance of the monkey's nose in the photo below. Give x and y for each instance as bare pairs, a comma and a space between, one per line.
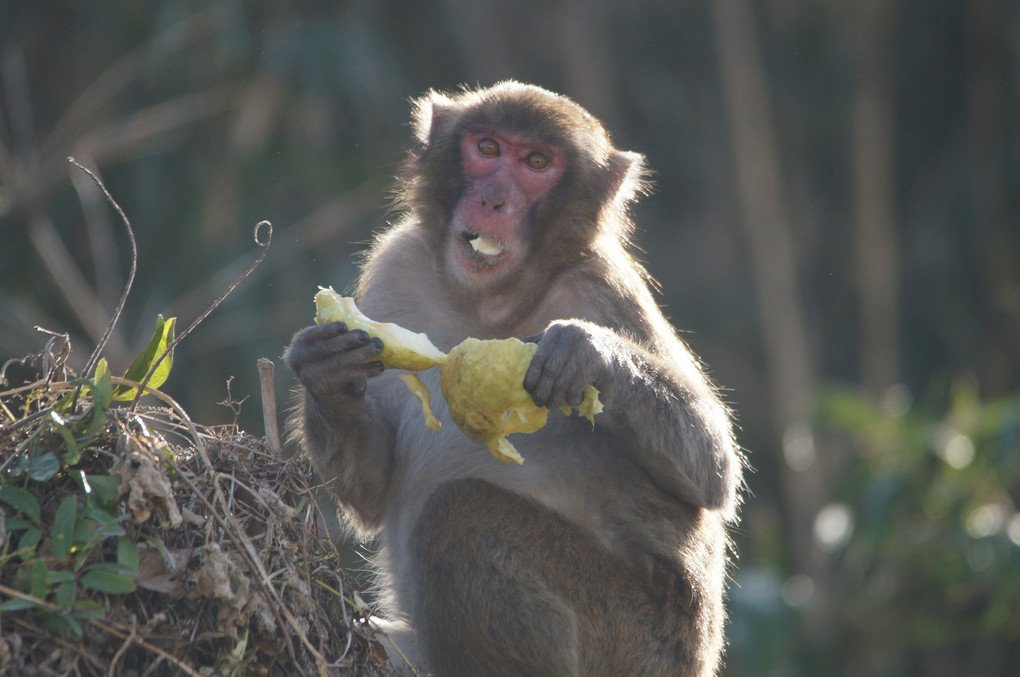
496, 205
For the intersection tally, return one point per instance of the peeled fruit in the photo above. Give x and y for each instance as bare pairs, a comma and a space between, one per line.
486, 245
482, 380
483, 385
402, 348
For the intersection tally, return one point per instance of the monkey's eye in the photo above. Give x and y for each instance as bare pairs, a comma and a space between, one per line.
537, 161
488, 147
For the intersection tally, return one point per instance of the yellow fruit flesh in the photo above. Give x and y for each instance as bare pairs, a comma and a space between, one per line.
421, 391
402, 349
482, 381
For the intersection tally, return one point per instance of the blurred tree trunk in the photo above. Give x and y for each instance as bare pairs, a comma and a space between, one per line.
873, 155
999, 269
487, 55
589, 67
767, 229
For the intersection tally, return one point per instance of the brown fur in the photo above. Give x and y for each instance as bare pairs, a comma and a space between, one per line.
606, 552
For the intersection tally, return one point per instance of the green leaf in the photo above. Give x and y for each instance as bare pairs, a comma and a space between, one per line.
89, 609
93, 527
102, 386
85, 530
53, 577
73, 453
63, 625
108, 581
81, 480
97, 425
37, 579
16, 524
17, 604
62, 534
66, 403
127, 554
29, 541
103, 517
161, 338
66, 592
102, 394
105, 490
39, 467
19, 499
109, 567
106, 525
42, 467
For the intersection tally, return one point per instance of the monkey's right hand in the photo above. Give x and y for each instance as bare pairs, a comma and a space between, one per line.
332, 363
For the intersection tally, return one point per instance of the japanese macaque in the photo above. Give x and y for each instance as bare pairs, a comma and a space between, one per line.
606, 552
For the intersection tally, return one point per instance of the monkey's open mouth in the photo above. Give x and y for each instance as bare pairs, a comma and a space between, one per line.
483, 245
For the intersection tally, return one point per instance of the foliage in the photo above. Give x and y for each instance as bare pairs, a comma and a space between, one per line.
931, 531
81, 544
120, 551
150, 360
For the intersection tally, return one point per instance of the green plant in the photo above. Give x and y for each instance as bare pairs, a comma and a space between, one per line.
75, 541
931, 557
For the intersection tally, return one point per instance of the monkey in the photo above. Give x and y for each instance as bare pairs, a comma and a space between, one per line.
607, 551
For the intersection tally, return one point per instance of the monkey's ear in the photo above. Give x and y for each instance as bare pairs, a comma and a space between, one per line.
628, 177
429, 112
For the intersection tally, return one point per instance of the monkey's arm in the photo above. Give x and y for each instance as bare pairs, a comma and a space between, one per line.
680, 430
343, 430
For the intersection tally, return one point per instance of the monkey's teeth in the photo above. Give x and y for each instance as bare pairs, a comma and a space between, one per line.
486, 245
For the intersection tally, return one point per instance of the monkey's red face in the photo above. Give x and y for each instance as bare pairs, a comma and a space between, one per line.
504, 175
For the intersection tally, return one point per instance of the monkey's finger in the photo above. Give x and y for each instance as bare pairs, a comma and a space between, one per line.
572, 365
575, 395
357, 339
539, 389
359, 383
358, 354
534, 381
321, 332
341, 364
543, 374
312, 343
534, 338
332, 376
353, 348
559, 394
357, 345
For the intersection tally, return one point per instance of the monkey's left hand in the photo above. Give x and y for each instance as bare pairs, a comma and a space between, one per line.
571, 356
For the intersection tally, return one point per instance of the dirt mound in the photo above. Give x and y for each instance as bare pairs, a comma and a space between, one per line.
133, 542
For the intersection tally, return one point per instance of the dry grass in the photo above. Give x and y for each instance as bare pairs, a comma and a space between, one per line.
233, 575
234, 572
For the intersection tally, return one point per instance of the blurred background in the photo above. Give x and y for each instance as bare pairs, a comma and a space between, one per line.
835, 227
